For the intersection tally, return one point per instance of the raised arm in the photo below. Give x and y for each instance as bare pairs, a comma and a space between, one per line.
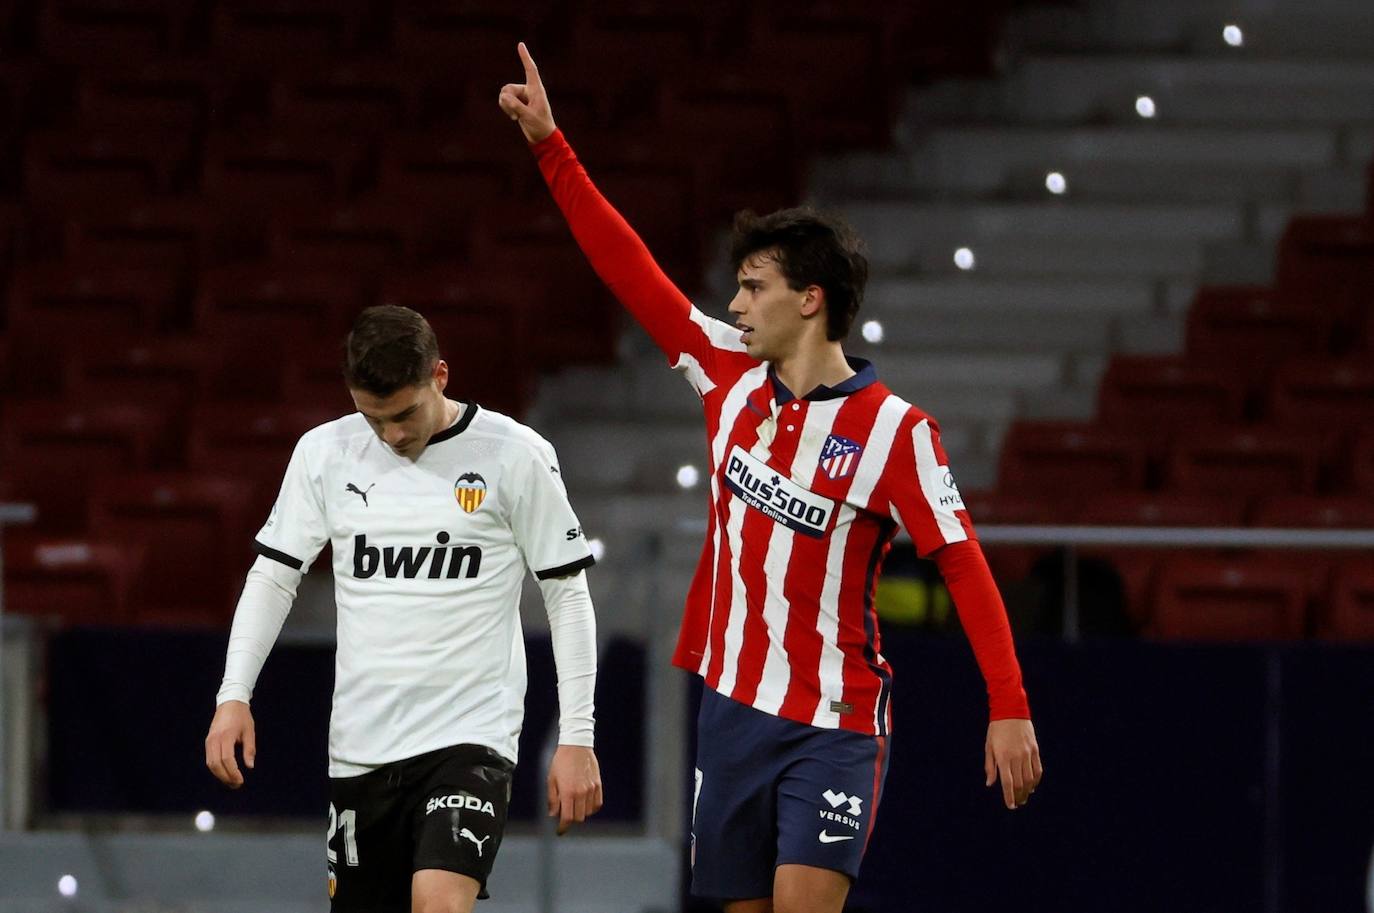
615, 251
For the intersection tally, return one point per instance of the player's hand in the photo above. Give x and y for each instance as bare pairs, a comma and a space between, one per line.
1011, 753
574, 786
232, 726
527, 104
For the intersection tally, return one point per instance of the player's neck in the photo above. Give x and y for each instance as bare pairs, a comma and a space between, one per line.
812, 366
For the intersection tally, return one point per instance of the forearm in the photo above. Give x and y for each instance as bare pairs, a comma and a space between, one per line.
984, 619
612, 247
268, 592
572, 625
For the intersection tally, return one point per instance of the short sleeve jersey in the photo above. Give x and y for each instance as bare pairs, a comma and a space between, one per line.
429, 559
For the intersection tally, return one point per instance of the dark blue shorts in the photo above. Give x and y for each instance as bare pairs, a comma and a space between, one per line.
771, 792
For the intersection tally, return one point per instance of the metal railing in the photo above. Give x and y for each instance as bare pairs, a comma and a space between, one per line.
10, 515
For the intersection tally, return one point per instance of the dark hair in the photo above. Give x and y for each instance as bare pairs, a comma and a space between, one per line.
810, 248
389, 347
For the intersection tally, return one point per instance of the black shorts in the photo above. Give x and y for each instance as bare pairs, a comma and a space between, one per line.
445, 809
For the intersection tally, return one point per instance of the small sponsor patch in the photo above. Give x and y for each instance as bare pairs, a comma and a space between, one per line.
841, 707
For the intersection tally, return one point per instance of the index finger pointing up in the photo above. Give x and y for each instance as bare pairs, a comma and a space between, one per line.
531, 71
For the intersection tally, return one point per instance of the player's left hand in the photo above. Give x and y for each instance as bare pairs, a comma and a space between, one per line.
1012, 753
574, 786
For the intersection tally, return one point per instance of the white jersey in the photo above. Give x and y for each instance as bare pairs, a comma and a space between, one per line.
429, 559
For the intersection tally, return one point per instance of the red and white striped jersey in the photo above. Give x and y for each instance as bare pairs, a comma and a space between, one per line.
806, 495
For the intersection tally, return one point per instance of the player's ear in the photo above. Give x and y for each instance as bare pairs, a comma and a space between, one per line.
441, 375
813, 297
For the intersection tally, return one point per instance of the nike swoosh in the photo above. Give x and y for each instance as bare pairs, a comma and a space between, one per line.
827, 838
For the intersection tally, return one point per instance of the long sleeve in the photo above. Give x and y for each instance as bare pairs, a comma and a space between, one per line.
984, 618
572, 624
692, 342
268, 592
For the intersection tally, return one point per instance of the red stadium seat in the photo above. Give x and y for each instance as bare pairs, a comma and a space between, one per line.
89, 169
1245, 326
352, 239
1351, 615
1326, 263
360, 95
251, 440
1326, 393
170, 234
1138, 566
171, 373
79, 31
1218, 599
468, 311
287, 34
465, 42
1066, 459
1245, 461
1314, 512
275, 301
247, 172
196, 530
1011, 563
448, 170
1361, 469
75, 298
178, 93
80, 580
1164, 391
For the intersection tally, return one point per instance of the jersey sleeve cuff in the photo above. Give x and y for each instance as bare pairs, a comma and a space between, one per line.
566, 570
231, 691
268, 551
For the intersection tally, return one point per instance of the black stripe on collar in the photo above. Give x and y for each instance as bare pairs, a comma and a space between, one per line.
459, 426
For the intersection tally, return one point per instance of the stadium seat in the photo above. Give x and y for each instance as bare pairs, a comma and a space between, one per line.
88, 169
354, 239
362, 96
286, 35
79, 580
1326, 263
1164, 391
1138, 567
170, 234
1065, 459
468, 311
252, 440
77, 31
73, 298
1245, 461
462, 44
170, 373
1351, 616
1245, 326
1011, 563
1361, 468
247, 172
1219, 599
275, 301
1326, 393
195, 528
170, 93
1314, 512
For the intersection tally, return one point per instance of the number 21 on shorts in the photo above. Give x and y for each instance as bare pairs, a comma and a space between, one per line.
348, 820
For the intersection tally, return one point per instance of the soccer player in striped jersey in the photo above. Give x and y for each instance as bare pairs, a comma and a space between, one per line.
814, 464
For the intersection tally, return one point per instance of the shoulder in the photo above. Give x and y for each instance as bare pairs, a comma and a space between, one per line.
893, 410
335, 439
516, 438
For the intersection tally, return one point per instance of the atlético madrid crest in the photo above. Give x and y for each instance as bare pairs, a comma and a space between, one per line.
839, 456
470, 490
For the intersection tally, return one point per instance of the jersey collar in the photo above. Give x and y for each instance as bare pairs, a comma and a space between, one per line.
864, 375
458, 427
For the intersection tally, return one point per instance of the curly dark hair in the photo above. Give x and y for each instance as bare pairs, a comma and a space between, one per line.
389, 347
810, 248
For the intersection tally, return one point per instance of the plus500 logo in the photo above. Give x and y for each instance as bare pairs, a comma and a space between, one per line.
766, 490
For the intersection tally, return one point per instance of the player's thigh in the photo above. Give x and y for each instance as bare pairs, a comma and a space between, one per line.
827, 800
436, 891
459, 816
368, 846
807, 889
734, 838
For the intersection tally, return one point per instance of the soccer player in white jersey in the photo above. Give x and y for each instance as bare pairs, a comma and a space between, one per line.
814, 464
435, 509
